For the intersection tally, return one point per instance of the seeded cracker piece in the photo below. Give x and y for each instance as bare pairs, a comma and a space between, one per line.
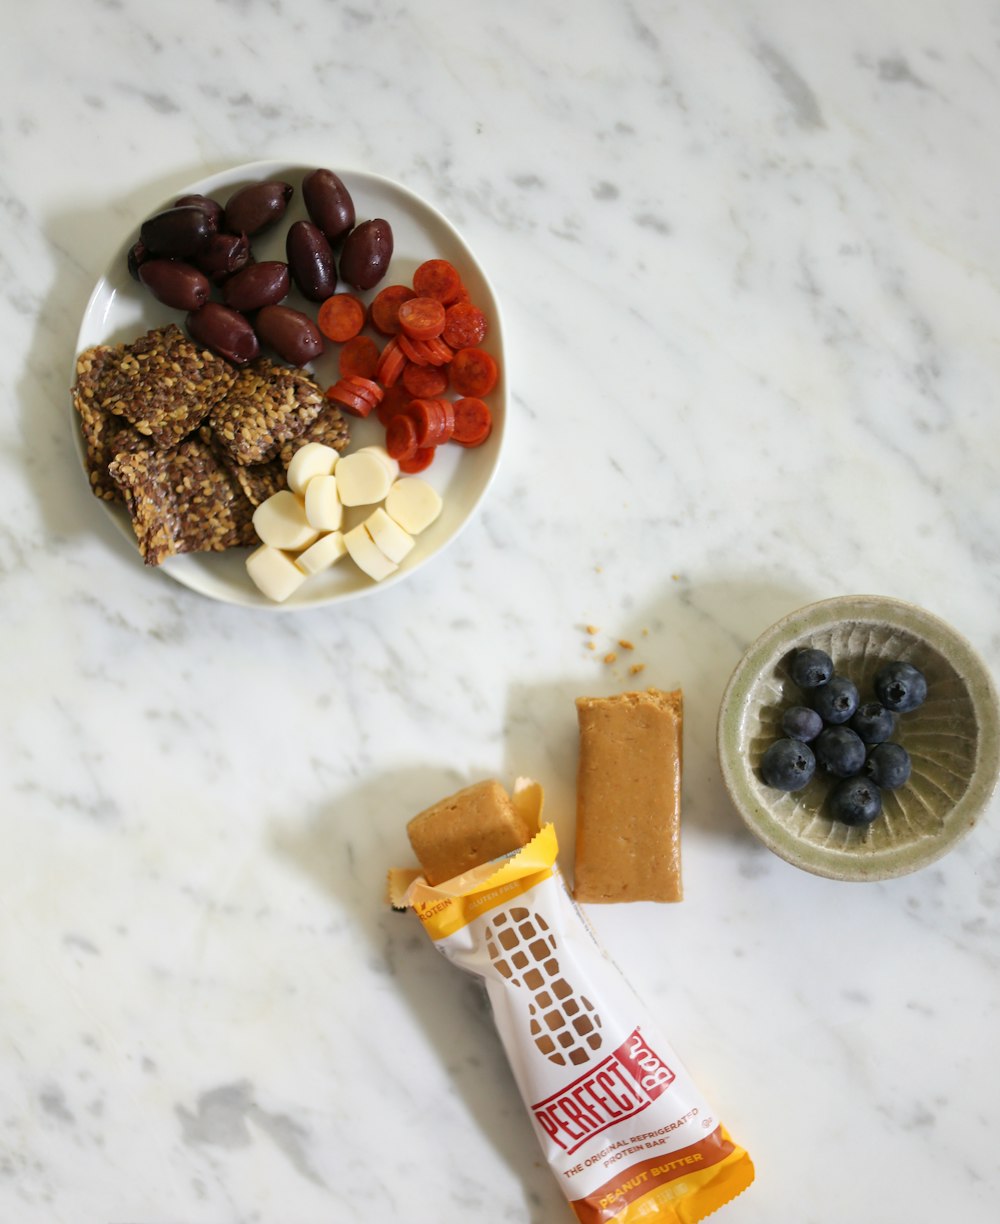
261, 480
329, 428
267, 405
182, 501
97, 426
164, 384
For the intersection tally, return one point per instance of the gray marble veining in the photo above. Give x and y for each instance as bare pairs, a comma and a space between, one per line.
747, 257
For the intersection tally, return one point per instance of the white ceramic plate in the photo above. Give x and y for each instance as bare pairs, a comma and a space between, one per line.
120, 310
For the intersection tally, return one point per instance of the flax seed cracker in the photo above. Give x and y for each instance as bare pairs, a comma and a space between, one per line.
182, 501
163, 384
266, 406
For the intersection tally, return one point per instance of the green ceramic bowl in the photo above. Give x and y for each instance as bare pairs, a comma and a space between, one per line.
952, 739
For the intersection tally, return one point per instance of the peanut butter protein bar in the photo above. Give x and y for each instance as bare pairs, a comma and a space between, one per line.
623, 1126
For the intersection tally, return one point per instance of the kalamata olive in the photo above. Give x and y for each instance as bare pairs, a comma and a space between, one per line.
176, 233
311, 261
252, 209
292, 335
328, 203
365, 255
257, 285
223, 255
225, 331
137, 255
175, 283
207, 205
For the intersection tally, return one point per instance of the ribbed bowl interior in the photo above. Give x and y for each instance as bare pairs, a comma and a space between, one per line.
951, 738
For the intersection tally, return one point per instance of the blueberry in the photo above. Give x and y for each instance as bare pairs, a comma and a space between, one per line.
855, 801
811, 668
788, 765
839, 751
801, 723
888, 765
899, 686
836, 701
873, 722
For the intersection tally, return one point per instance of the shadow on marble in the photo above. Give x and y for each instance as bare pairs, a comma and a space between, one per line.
450, 1006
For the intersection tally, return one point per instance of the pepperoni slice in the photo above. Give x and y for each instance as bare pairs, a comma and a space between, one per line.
437, 278
395, 399
391, 364
384, 310
359, 356
473, 421
349, 399
425, 381
434, 420
423, 459
401, 437
438, 353
473, 372
422, 318
365, 387
464, 326
341, 317
412, 350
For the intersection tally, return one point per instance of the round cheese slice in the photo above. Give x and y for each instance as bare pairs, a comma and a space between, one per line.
313, 459
367, 555
413, 503
388, 535
280, 520
362, 479
274, 573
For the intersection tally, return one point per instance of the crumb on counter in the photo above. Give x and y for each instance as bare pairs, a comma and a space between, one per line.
610, 657
636, 668
625, 644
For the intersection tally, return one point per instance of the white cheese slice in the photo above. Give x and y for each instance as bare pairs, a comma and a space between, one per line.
274, 573
313, 459
367, 555
281, 521
413, 503
388, 535
387, 459
327, 550
324, 509
362, 479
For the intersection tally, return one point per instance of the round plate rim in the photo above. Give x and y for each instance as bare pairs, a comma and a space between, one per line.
180, 569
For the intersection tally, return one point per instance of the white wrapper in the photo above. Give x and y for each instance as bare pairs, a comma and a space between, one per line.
619, 1118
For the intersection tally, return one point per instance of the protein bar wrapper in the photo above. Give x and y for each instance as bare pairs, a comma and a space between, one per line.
622, 1124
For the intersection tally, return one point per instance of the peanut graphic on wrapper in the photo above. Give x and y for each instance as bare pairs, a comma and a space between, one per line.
523, 950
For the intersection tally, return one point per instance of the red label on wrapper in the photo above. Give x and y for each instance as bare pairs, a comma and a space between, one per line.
618, 1087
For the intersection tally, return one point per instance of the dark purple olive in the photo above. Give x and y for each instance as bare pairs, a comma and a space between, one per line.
176, 233
311, 261
252, 209
211, 207
328, 203
292, 335
175, 283
137, 256
225, 331
365, 255
223, 255
257, 285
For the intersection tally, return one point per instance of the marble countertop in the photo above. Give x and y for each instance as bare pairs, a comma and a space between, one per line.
748, 261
